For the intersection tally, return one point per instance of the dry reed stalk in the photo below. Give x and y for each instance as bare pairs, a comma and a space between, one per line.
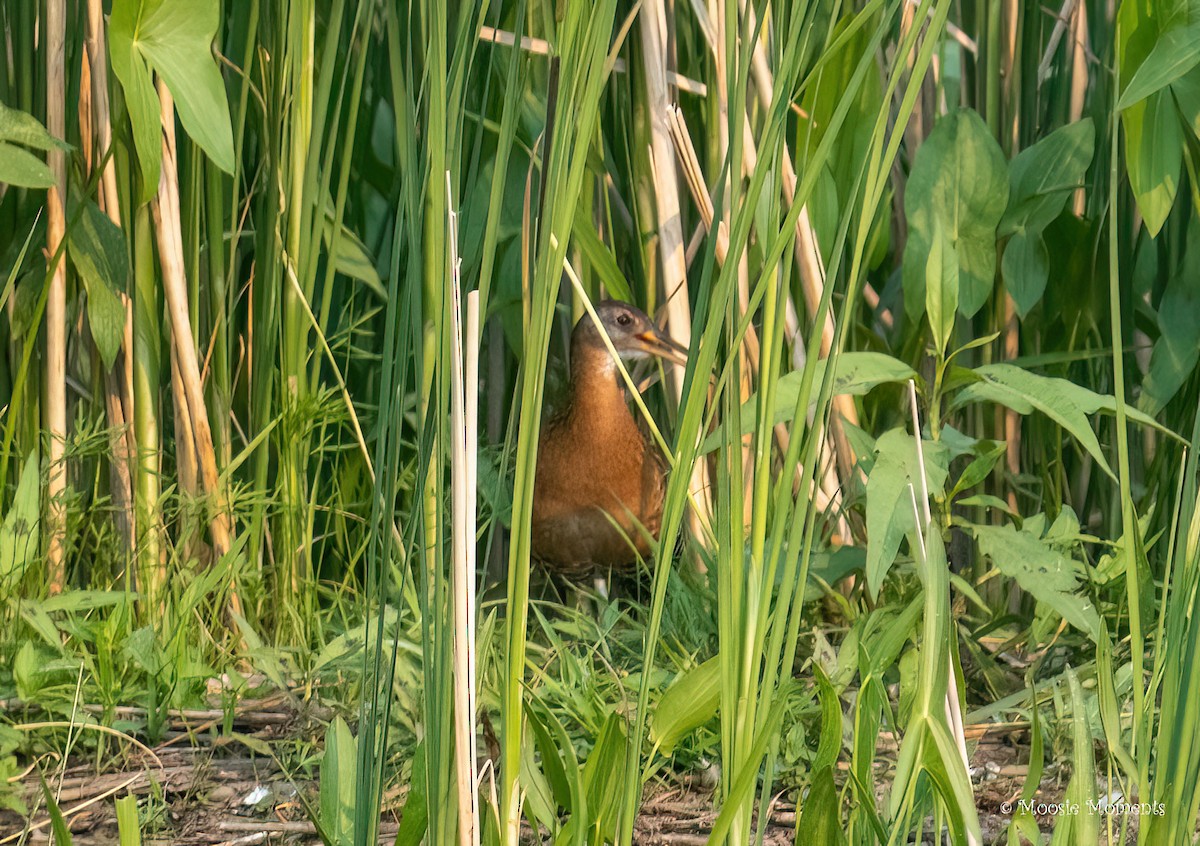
1079, 85
96, 130
170, 248
915, 131
186, 463
825, 490
55, 408
812, 279
1064, 19
464, 393
1012, 329
541, 47
670, 236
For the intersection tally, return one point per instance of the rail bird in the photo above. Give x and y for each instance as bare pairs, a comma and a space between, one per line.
600, 476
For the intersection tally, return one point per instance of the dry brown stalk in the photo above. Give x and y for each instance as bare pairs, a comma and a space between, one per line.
541, 47
1079, 84
95, 124
55, 402
170, 248
670, 233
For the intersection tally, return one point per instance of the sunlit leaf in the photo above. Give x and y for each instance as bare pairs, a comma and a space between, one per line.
19, 532
820, 820
1176, 51
690, 702
1154, 154
172, 38
338, 784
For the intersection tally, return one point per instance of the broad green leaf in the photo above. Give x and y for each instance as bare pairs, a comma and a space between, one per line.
1024, 823
1023, 391
1047, 389
987, 454
98, 251
21, 128
944, 764
1046, 573
1175, 53
84, 600
23, 169
1026, 269
831, 566
19, 532
339, 783
352, 258
414, 818
540, 805
552, 751
1041, 177
603, 778
856, 373
129, 828
172, 38
960, 178
1154, 155
820, 819
889, 504
141, 100
1177, 349
691, 701
830, 744
1186, 91
941, 287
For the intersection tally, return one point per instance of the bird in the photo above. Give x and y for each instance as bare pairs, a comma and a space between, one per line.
600, 477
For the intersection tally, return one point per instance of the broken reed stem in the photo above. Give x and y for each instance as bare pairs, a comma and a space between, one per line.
541, 47
464, 395
170, 247
55, 409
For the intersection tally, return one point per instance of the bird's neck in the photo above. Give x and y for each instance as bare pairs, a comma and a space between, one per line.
597, 384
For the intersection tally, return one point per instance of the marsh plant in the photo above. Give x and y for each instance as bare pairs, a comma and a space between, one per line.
285, 288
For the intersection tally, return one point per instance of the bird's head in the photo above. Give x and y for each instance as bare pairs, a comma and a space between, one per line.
634, 335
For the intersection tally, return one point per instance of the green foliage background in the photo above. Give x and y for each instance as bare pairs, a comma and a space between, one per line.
996, 202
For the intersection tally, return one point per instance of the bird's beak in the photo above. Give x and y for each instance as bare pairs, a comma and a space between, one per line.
656, 343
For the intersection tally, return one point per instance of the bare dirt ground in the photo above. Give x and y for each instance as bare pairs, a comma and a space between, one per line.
219, 789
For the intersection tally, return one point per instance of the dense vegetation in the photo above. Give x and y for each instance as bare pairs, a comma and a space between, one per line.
284, 292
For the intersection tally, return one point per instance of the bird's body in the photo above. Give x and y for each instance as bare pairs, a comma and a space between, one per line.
600, 480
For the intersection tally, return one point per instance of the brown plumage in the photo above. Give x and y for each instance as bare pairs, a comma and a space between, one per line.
596, 465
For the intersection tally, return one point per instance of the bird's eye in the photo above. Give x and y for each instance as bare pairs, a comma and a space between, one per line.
624, 319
